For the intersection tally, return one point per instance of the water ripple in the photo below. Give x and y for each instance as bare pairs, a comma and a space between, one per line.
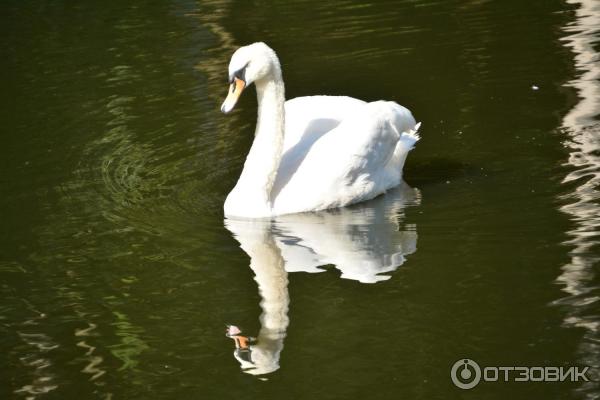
579, 276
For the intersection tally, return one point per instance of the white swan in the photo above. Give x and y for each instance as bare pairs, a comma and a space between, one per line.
312, 153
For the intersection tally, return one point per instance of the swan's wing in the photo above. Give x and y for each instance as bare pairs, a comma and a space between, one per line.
307, 118
346, 164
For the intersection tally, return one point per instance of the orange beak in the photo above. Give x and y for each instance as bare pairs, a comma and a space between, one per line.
235, 91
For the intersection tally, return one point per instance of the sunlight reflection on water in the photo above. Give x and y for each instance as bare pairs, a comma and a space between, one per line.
579, 276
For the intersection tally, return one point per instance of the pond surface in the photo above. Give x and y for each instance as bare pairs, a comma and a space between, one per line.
119, 275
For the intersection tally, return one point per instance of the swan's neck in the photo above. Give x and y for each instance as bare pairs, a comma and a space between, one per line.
262, 162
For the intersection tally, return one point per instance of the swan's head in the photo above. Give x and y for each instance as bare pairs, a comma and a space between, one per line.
256, 62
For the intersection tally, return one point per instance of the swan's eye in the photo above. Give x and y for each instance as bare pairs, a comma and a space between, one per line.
240, 74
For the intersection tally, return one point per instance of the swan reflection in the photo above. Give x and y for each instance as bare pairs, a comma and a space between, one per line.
366, 242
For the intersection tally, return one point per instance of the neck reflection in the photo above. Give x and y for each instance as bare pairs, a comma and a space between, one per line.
366, 242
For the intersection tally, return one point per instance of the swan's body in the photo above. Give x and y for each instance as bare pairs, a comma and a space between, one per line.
313, 153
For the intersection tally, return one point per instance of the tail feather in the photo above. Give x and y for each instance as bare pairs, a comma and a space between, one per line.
408, 139
405, 144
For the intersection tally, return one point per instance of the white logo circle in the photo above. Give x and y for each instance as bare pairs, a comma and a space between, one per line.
465, 373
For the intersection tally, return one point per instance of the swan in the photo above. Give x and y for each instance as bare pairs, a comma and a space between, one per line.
316, 152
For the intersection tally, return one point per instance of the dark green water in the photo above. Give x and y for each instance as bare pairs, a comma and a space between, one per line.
118, 274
